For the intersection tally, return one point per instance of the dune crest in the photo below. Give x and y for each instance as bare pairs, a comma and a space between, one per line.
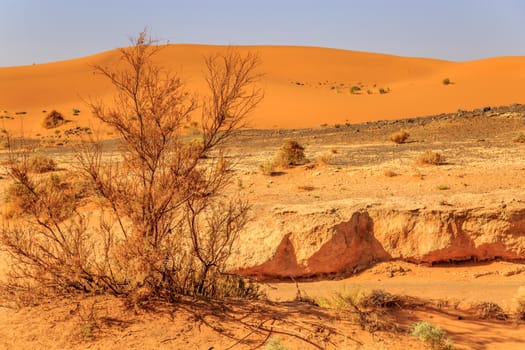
304, 86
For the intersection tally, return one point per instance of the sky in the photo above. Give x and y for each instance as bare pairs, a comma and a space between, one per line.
39, 31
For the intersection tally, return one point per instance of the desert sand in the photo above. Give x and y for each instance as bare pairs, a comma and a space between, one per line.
308, 98
304, 86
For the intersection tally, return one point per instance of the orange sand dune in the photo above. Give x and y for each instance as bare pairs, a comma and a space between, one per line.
304, 86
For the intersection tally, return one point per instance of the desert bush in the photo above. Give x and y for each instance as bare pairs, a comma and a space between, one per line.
164, 228
400, 136
274, 343
368, 311
446, 81
488, 310
53, 120
355, 89
39, 163
520, 304
267, 168
325, 158
434, 336
291, 153
431, 158
383, 91
390, 173
520, 138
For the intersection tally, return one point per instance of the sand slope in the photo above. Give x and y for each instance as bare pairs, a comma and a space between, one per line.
304, 86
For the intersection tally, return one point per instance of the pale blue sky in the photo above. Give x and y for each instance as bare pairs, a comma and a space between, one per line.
38, 31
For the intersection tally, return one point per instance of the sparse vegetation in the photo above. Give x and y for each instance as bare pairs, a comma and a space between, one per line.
383, 91
434, 336
355, 89
267, 168
366, 310
75, 111
431, 158
274, 343
39, 163
325, 158
164, 229
400, 136
492, 311
53, 120
520, 304
443, 187
446, 81
290, 154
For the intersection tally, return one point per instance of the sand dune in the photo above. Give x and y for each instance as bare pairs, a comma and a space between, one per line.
304, 86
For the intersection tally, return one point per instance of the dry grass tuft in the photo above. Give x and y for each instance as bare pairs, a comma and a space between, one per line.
325, 158
290, 154
431, 158
39, 163
399, 137
267, 168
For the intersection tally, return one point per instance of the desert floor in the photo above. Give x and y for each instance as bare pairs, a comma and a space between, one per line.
355, 161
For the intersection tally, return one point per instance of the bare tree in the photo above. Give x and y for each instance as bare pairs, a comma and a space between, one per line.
165, 225
164, 193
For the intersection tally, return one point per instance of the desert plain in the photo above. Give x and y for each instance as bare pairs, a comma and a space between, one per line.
362, 213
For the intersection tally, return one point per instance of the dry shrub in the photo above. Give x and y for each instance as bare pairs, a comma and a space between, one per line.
53, 120
380, 299
163, 227
46, 199
491, 311
520, 304
399, 137
369, 311
431, 158
326, 158
267, 168
390, 173
39, 163
290, 154
520, 138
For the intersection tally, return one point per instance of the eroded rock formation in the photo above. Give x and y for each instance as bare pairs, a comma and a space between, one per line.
301, 241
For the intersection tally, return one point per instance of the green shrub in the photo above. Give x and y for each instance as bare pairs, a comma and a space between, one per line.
274, 343
291, 153
434, 336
